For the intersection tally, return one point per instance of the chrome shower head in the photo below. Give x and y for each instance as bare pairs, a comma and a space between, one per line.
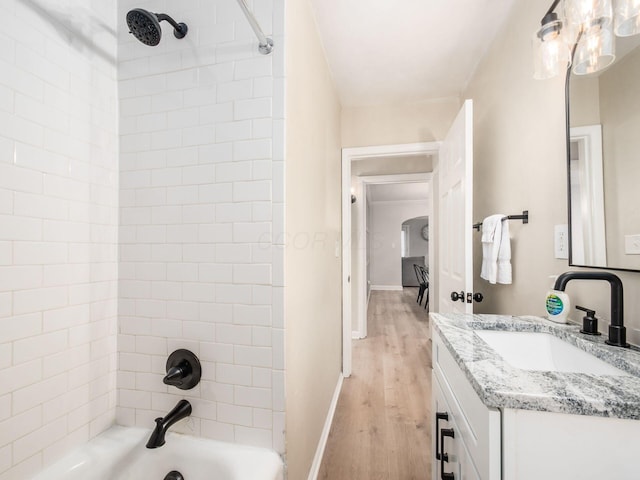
145, 26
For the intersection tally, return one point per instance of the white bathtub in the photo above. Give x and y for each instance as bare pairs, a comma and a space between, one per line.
120, 454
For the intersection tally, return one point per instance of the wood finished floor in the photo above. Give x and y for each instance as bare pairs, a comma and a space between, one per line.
382, 425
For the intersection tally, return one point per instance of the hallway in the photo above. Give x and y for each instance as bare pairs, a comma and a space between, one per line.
381, 429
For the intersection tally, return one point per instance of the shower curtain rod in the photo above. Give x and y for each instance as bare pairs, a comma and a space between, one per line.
266, 44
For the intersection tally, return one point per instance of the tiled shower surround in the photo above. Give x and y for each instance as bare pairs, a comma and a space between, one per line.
58, 229
201, 200
141, 210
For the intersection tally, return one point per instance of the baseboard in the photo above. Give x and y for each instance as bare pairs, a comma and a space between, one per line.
387, 287
366, 308
322, 443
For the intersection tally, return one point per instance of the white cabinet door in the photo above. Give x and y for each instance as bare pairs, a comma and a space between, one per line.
459, 464
443, 420
466, 468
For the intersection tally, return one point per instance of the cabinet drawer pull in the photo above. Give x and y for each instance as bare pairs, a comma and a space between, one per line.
439, 416
444, 457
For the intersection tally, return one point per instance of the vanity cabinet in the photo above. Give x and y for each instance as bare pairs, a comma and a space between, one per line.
487, 443
465, 430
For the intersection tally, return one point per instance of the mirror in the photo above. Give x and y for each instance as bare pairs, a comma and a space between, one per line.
604, 163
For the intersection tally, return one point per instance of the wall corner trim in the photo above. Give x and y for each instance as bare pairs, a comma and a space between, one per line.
322, 443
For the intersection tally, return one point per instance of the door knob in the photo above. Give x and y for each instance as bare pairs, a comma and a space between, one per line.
455, 296
478, 297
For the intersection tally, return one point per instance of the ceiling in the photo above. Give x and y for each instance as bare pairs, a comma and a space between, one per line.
397, 192
398, 51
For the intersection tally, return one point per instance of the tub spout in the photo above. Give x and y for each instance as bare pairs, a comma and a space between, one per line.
180, 411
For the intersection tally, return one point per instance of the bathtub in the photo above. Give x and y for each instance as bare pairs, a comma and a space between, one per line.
120, 454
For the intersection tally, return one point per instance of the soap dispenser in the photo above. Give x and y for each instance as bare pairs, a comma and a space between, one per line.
589, 322
557, 305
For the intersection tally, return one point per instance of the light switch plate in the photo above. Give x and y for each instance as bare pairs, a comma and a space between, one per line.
632, 244
561, 241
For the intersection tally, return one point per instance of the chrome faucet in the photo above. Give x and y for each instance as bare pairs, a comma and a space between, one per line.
617, 330
180, 411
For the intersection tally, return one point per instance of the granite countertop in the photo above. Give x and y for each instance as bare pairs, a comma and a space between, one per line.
500, 385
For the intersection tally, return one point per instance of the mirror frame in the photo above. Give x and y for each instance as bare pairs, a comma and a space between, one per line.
567, 92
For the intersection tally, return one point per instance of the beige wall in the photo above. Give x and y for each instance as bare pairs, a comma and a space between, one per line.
585, 105
620, 111
385, 228
391, 165
312, 271
519, 150
519, 162
390, 124
418, 246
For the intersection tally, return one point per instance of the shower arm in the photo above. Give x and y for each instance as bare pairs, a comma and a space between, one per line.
164, 16
265, 45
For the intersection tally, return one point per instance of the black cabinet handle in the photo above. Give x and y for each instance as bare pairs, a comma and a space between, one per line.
439, 416
444, 457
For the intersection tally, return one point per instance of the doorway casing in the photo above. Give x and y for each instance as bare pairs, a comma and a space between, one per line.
359, 329
356, 154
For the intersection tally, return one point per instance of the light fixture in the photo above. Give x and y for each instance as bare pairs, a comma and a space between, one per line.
584, 37
595, 50
551, 53
585, 13
627, 18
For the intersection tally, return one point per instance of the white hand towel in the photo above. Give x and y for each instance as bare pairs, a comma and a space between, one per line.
504, 256
491, 237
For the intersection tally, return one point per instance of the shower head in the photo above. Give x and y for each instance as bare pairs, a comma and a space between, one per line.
145, 26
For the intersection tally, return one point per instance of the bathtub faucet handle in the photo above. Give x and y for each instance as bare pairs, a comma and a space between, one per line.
175, 375
183, 370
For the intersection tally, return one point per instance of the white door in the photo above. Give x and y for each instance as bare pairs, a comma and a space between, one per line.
455, 167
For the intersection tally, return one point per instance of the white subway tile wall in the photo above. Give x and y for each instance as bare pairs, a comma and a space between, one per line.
201, 206
58, 229
141, 196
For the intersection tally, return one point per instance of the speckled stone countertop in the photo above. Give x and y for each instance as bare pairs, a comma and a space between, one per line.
500, 385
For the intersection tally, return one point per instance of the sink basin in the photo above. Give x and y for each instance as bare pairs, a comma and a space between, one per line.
542, 351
